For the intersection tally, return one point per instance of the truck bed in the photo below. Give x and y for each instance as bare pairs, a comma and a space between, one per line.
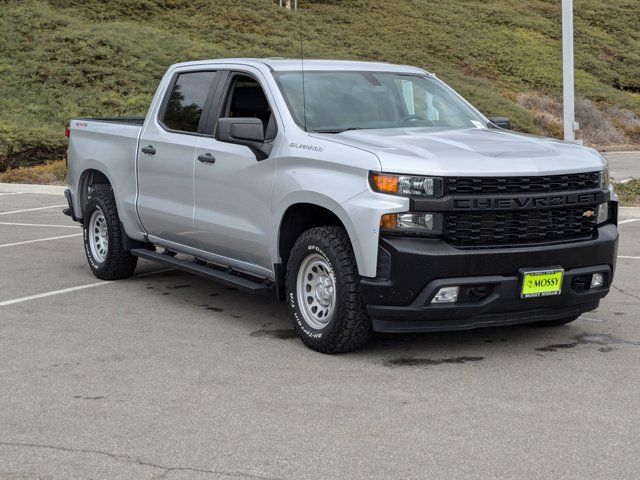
137, 121
108, 145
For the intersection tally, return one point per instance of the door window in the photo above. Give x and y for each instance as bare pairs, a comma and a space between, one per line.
245, 98
187, 101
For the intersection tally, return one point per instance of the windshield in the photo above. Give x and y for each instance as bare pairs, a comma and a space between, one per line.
339, 101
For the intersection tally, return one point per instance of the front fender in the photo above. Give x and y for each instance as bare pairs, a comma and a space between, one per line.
360, 216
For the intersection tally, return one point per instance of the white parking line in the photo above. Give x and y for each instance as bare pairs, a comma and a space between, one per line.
629, 256
39, 240
32, 209
38, 225
11, 193
73, 289
54, 292
629, 220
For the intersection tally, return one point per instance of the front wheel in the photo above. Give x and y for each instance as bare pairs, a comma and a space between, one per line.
323, 292
102, 234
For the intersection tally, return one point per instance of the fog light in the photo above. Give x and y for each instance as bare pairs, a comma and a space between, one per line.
446, 295
412, 223
428, 222
597, 280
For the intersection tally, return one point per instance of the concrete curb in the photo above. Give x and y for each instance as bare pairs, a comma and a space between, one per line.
619, 149
29, 188
626, 213
623, 165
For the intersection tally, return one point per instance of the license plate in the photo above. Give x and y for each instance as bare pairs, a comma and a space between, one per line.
542, 283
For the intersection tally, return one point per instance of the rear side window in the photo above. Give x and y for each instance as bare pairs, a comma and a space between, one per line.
187, 100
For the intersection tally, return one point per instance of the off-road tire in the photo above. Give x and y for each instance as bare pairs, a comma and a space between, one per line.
349, 326
118, 263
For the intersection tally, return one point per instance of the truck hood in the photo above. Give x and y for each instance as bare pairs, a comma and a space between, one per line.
469, 152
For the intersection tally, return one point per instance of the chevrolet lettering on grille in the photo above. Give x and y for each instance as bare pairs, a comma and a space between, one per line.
522, 203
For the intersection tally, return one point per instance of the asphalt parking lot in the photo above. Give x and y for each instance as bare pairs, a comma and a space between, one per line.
167, 375
623, 165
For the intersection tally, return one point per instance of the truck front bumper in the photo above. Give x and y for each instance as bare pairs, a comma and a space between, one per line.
413, 269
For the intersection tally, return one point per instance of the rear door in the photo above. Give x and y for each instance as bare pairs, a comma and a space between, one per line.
166, 157
233, 192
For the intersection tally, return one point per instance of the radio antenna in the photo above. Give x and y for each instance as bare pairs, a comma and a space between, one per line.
304, 95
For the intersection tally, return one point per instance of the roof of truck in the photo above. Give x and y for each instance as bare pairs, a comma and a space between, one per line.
291, 64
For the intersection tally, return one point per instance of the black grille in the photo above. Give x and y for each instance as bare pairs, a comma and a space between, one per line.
520, 227
538, 184
384, 265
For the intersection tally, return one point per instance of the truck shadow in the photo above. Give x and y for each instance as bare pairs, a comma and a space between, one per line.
480, 342
268, 319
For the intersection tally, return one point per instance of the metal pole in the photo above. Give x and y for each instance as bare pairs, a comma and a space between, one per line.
568, 93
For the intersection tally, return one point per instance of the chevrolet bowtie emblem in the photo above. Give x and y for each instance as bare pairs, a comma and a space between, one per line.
589, 213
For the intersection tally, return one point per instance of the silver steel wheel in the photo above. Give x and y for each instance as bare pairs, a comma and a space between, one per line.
316, 291
98, 236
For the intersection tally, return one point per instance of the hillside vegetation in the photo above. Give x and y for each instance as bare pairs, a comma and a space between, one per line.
66, 58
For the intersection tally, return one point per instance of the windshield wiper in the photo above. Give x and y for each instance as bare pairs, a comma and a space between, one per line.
337, 130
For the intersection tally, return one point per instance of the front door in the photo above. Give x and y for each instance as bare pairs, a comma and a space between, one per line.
232, 188
167, 155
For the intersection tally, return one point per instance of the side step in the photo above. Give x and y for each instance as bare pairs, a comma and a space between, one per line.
223, 276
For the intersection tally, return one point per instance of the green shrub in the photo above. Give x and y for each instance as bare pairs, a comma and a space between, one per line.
50, 173
628, 192
69, 58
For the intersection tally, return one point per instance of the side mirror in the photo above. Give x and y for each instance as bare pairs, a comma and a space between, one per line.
501, 122
246, 131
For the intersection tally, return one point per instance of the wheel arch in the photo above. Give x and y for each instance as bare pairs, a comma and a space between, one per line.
90, 177
300, 216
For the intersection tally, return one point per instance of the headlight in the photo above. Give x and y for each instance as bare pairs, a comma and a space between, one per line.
603, 213
407, 185
412, 223
604, 178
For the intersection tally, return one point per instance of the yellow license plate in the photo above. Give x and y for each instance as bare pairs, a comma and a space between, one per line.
542, 283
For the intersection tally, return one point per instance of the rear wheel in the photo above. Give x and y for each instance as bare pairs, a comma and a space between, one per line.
103, 238
323, 292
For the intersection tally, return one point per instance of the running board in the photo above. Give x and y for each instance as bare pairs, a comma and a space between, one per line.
227, 277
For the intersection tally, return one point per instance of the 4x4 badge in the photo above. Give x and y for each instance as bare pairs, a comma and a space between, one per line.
589, 213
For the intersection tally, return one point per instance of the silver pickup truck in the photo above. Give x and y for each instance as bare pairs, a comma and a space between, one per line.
368, 196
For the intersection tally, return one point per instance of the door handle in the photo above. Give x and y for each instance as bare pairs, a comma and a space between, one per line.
149, 150
207, 158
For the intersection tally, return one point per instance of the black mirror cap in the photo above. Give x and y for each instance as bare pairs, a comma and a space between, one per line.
248, 131
501, 122
240, 129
